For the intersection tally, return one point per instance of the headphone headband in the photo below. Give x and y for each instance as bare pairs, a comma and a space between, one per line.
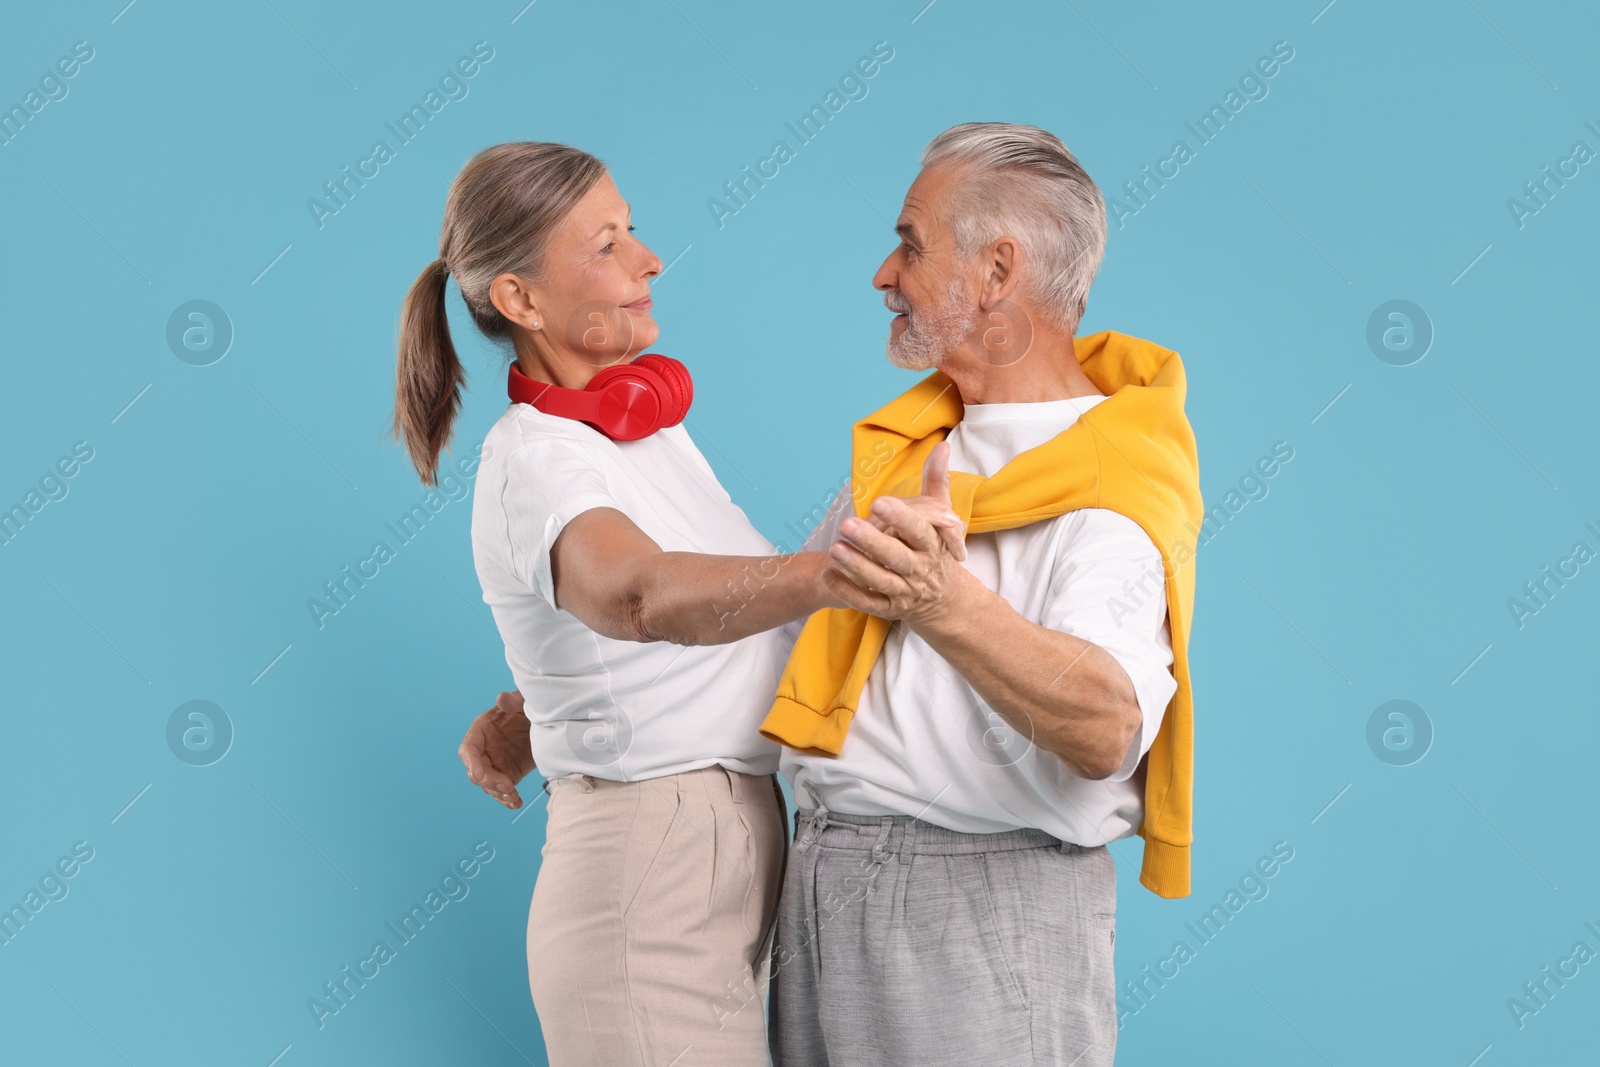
626, 402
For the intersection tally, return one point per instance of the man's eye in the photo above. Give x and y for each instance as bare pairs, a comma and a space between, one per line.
606, 251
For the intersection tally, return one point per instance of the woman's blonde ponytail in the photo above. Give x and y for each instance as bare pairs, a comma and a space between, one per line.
502, 209
427, 391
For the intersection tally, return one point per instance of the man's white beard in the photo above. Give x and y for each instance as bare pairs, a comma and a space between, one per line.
932, 333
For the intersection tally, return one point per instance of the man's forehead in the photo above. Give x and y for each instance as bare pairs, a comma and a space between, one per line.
918, 212
906, 226
915, 217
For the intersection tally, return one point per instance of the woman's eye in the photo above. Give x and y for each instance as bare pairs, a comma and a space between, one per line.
606, 251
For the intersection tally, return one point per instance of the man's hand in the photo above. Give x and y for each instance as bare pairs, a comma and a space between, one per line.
1072, 697
902, 564
496, 749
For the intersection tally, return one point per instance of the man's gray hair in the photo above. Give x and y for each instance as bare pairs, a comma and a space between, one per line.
1022, 181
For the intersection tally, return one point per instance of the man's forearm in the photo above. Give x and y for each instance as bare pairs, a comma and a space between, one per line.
692, 599
1070, 696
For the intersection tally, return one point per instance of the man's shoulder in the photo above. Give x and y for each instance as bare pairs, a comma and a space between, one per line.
1085, 534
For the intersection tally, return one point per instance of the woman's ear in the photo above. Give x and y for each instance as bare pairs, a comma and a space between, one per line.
515, 298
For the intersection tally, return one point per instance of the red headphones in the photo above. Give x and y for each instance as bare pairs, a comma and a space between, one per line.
625, 402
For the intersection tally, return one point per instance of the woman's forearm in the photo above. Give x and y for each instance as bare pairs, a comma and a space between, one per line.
692, 599
620, 584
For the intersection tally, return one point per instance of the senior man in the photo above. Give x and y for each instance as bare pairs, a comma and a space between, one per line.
966, 739
966, 742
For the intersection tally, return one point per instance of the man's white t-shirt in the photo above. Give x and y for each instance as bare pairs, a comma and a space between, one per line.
620, 710
922, 742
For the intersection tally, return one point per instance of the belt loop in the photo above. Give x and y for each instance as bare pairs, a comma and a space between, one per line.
585, 782
908, 841
1068, 848
880, 847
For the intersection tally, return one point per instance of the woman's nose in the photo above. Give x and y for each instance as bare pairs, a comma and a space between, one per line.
652, 262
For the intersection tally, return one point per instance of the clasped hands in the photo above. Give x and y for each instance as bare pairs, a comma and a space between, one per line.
902, 562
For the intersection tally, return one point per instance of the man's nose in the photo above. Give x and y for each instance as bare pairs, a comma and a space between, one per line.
885, 278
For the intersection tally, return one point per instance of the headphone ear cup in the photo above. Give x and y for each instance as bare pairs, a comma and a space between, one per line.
634, 401
680, 385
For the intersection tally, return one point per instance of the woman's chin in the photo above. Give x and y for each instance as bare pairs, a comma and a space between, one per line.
645, 331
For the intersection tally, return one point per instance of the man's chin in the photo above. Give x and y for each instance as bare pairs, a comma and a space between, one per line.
923, 348
910, 359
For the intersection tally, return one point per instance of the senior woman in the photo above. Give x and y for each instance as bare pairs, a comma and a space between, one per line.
639, 611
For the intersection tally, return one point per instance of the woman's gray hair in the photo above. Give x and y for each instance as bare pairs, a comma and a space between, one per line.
1022, 181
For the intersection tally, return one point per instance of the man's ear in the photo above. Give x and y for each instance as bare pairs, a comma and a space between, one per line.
1001, 270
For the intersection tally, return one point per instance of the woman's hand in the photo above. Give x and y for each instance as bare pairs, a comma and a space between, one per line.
497, 751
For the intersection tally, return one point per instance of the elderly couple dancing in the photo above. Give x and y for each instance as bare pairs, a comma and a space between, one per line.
973, 673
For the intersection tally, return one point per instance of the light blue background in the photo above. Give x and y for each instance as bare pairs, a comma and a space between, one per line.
220, 898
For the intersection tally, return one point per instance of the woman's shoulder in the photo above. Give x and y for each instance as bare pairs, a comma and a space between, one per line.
525, 429
544, 464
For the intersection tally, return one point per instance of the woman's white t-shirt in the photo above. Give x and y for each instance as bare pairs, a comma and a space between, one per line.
620, 710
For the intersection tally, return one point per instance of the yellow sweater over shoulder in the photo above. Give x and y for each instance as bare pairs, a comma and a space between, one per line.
1133, 453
